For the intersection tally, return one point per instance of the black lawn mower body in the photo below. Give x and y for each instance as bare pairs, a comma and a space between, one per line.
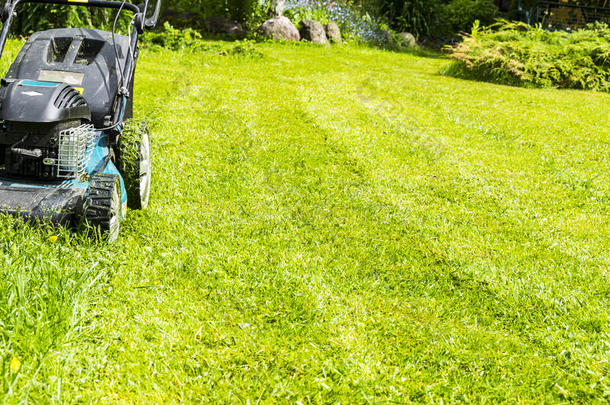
64, 104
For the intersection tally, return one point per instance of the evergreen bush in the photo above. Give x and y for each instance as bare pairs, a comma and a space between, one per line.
518, 54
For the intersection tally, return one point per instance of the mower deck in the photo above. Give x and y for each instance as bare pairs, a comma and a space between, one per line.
59, 203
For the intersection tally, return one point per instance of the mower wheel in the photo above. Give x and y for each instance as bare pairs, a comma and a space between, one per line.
102, 205
134, 163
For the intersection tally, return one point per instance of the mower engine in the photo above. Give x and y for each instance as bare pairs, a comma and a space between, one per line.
46, 133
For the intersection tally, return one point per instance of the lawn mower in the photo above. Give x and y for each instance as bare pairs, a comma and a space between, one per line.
70, 151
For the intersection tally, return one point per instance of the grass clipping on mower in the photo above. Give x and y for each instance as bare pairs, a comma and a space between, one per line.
129, 155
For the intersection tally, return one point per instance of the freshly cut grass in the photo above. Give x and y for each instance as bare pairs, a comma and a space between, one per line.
518, 54
330, 225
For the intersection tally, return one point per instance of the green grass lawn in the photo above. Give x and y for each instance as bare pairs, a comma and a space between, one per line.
330, 225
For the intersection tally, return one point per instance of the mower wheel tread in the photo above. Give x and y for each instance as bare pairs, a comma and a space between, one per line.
98, 202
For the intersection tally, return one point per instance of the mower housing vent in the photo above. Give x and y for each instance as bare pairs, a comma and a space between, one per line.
69, 98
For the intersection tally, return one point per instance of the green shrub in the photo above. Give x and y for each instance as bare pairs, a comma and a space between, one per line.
37, 17
190, 40
312, 11
419, 17
461, 14
433, 18
517, 54
238, 10
171, 38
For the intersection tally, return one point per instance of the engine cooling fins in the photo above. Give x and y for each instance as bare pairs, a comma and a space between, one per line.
69, 97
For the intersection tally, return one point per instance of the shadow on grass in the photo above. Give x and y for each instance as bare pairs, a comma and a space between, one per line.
419, 51
259, 39
44, 229
458, 70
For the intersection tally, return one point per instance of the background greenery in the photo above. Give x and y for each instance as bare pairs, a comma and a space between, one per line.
353, 228
359, 20
37, 17
436, 18
362, 20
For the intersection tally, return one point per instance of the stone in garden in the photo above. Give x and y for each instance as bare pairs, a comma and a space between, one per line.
333, 33
279, 28
313, 31
407, 40
221, 25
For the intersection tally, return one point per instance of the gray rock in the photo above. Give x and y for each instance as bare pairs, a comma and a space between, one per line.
221, 25
313, 31
279, 28
333, 33
407, 40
